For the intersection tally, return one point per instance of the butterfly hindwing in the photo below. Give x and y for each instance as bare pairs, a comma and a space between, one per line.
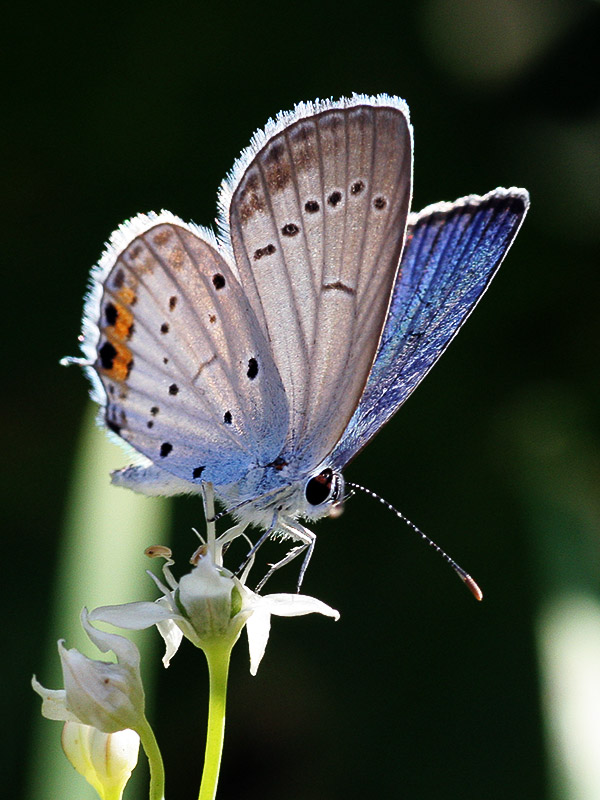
452, 252
317, 214
188, 376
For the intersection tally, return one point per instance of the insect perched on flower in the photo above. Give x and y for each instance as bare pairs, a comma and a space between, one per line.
264, 358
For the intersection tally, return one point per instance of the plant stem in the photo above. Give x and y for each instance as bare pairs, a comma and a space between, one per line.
157, 770
218, 670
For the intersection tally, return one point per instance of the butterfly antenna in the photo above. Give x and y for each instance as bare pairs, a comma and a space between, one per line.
464, 576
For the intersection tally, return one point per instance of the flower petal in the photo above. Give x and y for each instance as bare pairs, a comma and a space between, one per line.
172, 636
258, 627
126, 652
259, 608
54, 702
132, 616
296, 605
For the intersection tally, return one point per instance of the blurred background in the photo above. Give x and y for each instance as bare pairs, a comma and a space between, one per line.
418, 691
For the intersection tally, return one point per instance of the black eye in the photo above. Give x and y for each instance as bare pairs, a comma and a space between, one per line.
318, 488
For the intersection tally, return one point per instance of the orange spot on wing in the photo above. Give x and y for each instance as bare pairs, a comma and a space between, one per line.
126, 295
124, 323
162, 237
122, 361
177, 258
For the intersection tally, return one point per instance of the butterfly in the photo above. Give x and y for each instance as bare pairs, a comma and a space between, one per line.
264, 357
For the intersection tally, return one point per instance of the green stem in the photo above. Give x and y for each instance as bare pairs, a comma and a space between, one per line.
157, 770
218, 671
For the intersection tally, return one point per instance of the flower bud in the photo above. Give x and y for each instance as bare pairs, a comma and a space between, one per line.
109, 696
105, 760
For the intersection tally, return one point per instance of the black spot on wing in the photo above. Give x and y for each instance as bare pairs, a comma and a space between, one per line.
173, 389
252, 369
107, 355
197, 472
218, 281
311, 206
111, 314
115, 418
113, 426
227, 418
290, 229
119, 279
165, 449
268, 250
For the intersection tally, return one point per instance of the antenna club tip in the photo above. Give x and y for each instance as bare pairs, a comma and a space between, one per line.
472, 586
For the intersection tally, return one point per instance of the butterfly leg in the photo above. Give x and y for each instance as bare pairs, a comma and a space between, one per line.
245, 566
307, 541
225, 540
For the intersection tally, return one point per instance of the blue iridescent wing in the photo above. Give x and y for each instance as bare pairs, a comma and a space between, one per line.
452, 252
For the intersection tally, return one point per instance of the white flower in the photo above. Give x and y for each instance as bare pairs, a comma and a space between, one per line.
108, 696
210, 606
258, 625
106, 760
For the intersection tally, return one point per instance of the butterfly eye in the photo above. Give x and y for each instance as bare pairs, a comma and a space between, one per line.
319, 488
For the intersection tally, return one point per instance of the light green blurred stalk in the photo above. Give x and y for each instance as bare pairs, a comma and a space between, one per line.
101, 561
559, 462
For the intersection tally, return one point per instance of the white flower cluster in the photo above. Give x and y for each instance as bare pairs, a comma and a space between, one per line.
209, 606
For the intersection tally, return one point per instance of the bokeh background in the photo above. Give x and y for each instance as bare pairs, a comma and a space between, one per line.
418, 691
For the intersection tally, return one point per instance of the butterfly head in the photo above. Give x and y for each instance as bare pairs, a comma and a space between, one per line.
284, 492
324, 494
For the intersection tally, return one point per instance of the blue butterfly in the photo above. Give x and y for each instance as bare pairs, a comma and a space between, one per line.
264, 358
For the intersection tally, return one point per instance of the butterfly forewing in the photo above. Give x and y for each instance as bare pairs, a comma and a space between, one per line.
188, 375
452, 252
317, 221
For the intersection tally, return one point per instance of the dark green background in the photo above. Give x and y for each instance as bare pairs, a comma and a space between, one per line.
418, 691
